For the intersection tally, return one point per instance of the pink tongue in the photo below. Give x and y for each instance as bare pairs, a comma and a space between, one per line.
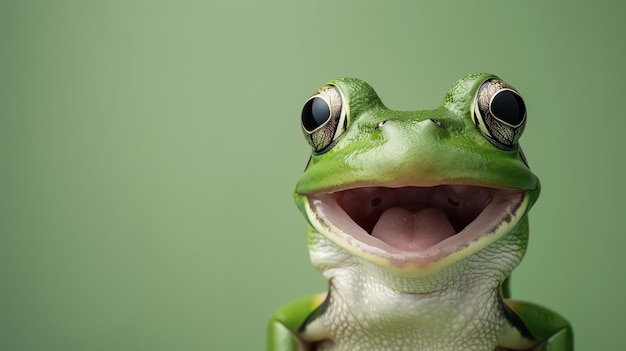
408, 230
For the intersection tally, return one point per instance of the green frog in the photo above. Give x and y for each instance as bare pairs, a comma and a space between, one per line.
416, 218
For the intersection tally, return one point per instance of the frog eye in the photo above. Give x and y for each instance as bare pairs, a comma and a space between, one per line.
324, 118
499, 113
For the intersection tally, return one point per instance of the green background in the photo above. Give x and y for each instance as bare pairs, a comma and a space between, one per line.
148, 151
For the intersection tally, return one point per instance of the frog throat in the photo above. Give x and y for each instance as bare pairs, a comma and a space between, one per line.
413, 230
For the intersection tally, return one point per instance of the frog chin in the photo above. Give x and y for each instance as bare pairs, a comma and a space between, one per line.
414, 231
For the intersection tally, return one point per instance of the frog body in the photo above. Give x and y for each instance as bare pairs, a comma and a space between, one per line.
416, 218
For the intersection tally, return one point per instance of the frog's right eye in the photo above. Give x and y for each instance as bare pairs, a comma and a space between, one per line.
324, 118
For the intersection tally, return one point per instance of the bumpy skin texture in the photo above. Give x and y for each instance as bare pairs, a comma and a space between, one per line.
430, 300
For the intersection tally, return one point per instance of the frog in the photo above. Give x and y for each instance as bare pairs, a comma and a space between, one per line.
416, 219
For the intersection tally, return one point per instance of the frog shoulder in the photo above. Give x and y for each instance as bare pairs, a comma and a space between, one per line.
288, 322
534, 324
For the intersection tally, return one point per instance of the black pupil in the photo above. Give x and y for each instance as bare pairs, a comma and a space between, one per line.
508, 107
315, 113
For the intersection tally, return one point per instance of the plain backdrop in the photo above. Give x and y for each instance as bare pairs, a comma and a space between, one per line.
148, 151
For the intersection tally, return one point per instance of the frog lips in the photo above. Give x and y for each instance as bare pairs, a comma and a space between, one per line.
419, 224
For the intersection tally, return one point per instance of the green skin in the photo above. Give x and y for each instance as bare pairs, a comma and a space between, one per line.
449, 294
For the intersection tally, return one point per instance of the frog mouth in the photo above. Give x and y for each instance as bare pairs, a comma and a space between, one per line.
415, 225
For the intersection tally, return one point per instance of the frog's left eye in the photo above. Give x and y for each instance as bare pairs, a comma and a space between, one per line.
324, 118
499, 113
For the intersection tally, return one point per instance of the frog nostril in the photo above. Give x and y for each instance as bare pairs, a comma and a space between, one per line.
437, 123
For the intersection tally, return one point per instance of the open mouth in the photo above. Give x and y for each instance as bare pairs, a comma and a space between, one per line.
416, 223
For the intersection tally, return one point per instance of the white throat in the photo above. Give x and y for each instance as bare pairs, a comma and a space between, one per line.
368, 308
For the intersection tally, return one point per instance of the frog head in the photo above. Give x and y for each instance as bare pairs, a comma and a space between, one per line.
412, 194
